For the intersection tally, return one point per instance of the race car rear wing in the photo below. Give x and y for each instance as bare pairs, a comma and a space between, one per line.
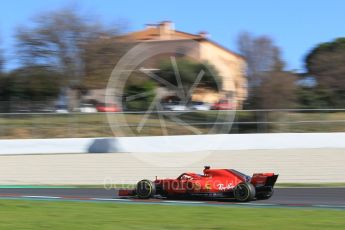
271, 180
264, 179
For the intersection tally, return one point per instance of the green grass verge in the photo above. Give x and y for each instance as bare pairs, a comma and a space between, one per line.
52, 125
15, 214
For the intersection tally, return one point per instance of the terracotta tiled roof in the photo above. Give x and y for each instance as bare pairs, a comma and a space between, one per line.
154, 33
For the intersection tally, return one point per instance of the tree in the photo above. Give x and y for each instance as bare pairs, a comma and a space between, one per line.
35, 83
133, 100
260, 54
278, 91
100, 58
189, 74
270, 86
311, 97
326, 64
2, 61
59, 40
29, 84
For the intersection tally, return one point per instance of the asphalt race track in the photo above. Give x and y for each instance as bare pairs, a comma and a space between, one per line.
285, 197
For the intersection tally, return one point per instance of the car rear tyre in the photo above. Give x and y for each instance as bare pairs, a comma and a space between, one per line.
244, 192
145, 189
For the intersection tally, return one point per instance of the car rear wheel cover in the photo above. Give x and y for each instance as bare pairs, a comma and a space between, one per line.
145, 189
244, 192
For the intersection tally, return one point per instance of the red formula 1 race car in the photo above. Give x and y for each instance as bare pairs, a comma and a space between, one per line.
214, 183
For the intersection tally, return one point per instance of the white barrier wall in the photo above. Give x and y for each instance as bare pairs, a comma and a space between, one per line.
317, 157
174, 143
293, 165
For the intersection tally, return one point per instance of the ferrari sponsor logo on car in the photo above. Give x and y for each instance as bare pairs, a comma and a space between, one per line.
208, 186
197, 186
222, 187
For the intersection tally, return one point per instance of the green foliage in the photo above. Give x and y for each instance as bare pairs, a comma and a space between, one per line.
326, 64
35, 84
189, 71
2, 61
323, 48
313, 98
139, 96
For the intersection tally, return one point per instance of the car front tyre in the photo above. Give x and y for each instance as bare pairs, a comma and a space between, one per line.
145, 189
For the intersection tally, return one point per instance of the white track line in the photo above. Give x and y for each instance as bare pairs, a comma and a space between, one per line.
183, 202
109, 199
255, 204
43, 197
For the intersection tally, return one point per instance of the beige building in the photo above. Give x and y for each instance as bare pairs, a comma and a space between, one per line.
229, 65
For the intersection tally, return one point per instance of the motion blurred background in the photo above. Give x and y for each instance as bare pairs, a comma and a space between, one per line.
266, 77
283, 75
